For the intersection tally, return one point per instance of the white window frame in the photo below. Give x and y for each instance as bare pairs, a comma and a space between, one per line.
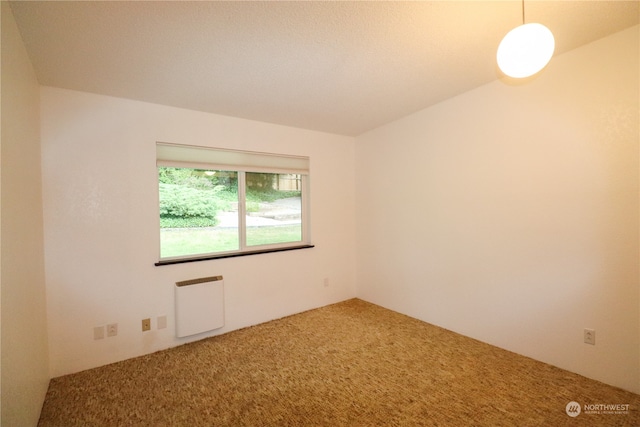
242, 162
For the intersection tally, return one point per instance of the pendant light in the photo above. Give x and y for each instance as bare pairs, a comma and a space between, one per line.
525, 50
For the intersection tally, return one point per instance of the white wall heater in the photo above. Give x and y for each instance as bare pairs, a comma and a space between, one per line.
199, 305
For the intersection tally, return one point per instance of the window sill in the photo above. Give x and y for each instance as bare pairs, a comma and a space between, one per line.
230, 255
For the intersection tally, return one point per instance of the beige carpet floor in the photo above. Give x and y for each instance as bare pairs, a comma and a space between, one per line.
347, 364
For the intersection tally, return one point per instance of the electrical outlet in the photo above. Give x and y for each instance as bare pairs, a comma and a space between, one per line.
98, 332
590, 336
112, 329
146, 325
162, 322
326, 282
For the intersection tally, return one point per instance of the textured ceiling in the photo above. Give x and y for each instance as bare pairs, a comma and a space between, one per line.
340, 67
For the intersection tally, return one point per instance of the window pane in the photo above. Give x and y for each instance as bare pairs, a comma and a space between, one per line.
198, 211
274, 208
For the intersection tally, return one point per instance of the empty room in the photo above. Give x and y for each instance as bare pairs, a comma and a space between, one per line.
320, 213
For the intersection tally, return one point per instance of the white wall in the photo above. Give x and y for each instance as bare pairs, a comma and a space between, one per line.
101, 226
25, 362
510, 213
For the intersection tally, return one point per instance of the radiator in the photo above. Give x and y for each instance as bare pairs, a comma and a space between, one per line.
199, 305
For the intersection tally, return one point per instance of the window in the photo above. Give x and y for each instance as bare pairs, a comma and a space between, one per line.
217, 203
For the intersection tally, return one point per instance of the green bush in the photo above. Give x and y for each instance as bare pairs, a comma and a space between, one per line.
192, 207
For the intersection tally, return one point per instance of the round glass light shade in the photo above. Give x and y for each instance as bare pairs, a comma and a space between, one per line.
525, 50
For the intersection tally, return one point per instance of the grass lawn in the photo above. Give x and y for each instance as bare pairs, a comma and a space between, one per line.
192, 241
